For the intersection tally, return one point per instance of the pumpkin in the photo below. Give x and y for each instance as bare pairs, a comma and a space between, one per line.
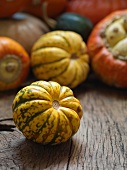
54, 7
46, 112
107, 47
9, 7
14, 64
71, 22
60, 56
23, 28
93, 9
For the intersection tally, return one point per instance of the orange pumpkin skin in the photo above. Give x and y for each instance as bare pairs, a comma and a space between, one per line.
95, 10
7, 7
54, 8
13, 58
111, 70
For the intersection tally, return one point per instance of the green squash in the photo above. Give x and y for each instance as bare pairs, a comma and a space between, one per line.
71, 22
74, 22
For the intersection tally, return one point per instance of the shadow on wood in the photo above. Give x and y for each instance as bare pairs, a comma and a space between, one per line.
18, 152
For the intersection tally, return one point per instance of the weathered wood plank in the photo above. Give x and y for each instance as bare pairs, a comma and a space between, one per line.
102, 138
100, 143
18, 153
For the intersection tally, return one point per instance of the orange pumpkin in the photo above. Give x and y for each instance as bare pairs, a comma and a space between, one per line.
54, 7
9, 7
14, 64
95, 10
107, 47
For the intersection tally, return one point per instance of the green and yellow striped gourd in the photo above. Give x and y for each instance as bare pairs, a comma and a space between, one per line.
46, 112
60, 56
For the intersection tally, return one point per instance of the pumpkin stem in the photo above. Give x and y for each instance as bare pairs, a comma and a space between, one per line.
10, 68
36, 2
49, 21
55, 104
74, 56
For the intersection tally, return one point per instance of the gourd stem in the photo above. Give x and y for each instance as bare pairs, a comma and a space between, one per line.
10, 67
36, 2
49, 21
55, 104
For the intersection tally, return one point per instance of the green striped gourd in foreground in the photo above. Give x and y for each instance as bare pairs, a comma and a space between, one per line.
60, 56
46, 112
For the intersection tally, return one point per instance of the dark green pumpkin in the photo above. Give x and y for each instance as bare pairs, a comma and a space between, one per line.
74, 22
69, 21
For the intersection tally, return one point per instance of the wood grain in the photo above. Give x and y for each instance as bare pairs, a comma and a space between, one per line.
100, 143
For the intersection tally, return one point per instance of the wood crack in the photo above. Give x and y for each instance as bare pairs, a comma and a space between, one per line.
69, 156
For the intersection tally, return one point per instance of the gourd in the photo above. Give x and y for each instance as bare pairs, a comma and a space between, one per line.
46, 112
60, 56
74, 22
107, 47
70, 22
95, 10
54, 7
14, 64
9, 7
23, 28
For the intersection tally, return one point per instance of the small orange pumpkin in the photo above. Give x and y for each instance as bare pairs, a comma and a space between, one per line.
54, 7
107, 47
14, 64
9, 7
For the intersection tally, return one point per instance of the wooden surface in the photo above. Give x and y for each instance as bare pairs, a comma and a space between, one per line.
100, 143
